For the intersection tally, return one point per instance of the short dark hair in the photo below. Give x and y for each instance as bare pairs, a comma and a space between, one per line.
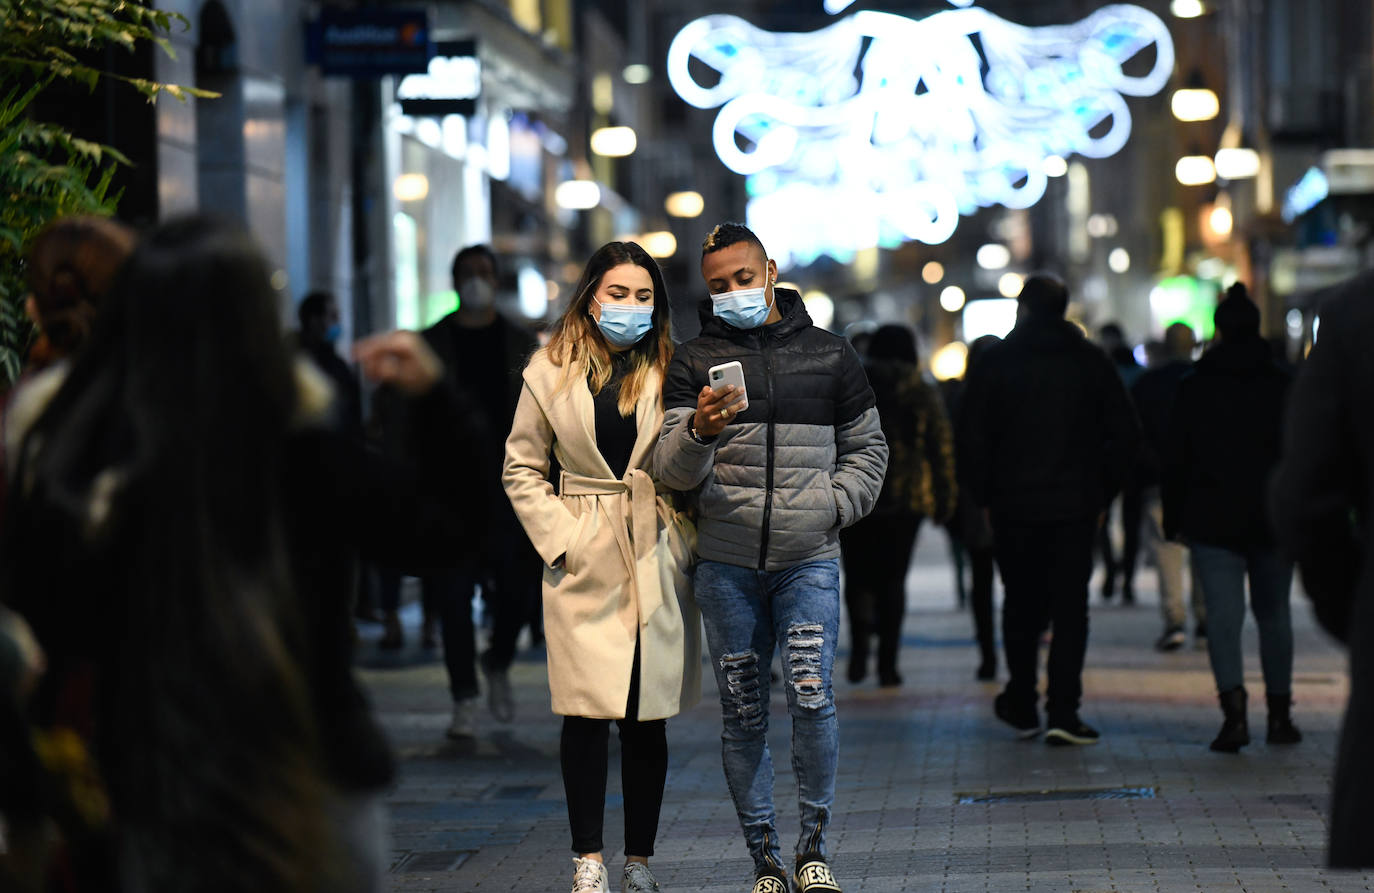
471, 251
313, 305
1044, 294
726, 234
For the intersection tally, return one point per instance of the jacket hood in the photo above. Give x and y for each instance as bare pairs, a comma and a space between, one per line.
1244, 355
790, 305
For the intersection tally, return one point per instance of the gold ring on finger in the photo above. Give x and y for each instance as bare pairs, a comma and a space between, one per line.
725, 413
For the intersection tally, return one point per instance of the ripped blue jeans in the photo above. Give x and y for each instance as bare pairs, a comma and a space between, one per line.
748, 613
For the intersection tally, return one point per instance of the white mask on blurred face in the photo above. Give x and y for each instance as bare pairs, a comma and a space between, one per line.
476, 293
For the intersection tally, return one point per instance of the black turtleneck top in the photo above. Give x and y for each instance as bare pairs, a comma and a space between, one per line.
615, 434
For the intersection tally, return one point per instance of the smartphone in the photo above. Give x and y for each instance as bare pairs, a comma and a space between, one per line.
729, 373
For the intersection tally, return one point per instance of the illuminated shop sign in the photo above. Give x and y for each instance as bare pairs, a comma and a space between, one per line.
368, 43
880, 129
450, 85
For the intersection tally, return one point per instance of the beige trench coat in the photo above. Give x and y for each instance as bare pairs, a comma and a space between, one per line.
626, 555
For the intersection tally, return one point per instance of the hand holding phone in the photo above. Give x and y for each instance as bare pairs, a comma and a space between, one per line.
723, 398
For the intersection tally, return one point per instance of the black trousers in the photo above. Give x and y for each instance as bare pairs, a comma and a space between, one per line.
877, 553
981, 601
1045, 572
643, 773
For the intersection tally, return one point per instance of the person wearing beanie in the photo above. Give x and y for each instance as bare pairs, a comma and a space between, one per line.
1223, 442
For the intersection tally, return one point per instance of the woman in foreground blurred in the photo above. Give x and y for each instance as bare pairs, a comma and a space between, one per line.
178, 532
621, 644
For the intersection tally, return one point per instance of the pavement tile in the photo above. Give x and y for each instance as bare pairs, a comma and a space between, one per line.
489, 814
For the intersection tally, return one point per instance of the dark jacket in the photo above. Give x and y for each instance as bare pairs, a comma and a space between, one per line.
1153, 396
1047, 432
920, 464
490, 415
806, 458
1221, 445
1322, 492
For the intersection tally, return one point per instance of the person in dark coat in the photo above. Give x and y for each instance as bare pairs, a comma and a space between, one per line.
1047, 437
1112, 339
319, 332
1222, 444
971, 534
484, 353
180, 535
919, 485
1321, 496
1153, 395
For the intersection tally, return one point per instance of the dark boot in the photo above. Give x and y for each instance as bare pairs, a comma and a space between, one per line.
1235, 731
1281, 728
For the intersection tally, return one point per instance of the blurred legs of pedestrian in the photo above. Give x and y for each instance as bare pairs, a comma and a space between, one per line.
389, 598
1108, 550
958, 554
1170, 559
981, 594
877, 553
1046, 569
1222, 574
451, 594
1132, 508
511, 594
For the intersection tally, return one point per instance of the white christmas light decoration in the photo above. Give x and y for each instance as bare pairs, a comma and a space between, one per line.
880, 128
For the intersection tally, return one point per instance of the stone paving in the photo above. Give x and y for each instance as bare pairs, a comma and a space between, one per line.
934, 794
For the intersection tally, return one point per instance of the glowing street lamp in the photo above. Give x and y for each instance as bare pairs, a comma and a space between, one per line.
1195, 170
1237, 164
577, 195
1195, 104
684, 204
614, 142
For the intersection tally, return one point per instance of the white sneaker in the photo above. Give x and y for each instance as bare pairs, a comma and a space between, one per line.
464, 724
590, 877
638, 879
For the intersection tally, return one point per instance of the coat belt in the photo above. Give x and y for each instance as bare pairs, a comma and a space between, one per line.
638, 521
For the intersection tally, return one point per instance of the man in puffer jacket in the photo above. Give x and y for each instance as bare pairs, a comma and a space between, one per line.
773, 484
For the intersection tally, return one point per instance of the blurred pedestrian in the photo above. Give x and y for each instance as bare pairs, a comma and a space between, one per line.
318, 337
774, 482
71, 264
1153, 395
1113, 341
971, 532
181, 517
1321, 501
623, 634
1047, 436
919, 485
1223, 441
484, 352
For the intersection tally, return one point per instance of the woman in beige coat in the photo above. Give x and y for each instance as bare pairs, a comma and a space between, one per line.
622, 631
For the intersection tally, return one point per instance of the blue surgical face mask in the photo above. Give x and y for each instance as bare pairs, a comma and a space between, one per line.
333, 333
746, 308
624, 325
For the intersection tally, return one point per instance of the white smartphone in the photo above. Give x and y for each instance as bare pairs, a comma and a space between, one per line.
729, 373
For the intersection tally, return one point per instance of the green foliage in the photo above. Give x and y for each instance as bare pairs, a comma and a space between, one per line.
45, 171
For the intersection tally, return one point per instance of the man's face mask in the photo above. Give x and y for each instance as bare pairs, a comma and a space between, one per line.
746, 308
476, 293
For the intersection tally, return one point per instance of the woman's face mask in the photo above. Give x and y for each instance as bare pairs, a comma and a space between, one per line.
746, 308
625, 325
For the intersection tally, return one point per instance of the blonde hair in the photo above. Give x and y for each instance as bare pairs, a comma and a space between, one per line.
580, 350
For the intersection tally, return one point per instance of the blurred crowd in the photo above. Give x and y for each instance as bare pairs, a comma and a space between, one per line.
197, 507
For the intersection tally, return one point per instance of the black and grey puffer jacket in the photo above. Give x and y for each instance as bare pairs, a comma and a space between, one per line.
806, 458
